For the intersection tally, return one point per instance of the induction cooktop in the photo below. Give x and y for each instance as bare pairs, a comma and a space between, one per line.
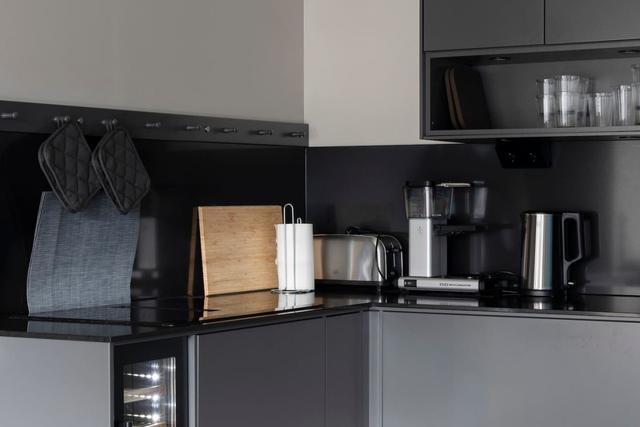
173, 311
179, 311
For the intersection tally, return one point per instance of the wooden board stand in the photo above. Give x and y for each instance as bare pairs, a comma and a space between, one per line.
236, 247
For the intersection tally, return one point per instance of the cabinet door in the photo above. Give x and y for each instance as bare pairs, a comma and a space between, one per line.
452, 370
575, 21
269, 376
345, 396
468, 24
54, 383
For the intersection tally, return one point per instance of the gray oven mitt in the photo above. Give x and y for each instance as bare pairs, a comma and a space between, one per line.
120, 170
65, 160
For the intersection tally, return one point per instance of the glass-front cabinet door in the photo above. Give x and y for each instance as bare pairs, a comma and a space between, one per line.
149, 393
151, 381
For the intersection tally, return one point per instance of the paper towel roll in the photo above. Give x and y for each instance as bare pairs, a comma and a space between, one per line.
290, 301
295, 257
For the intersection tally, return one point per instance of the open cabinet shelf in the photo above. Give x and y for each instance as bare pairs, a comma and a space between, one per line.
510, 89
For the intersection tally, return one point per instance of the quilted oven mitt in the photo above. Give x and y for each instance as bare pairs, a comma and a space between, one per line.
120, 170
65, 159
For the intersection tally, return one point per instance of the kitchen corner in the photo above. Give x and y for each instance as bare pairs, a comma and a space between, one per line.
320, 213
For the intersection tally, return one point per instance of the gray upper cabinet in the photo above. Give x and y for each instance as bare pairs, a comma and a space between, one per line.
468, 24
576, 21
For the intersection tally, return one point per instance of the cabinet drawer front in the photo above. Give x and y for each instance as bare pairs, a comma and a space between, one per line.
468, 24
576, 21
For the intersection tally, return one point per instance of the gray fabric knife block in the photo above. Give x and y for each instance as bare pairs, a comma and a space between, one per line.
81, 259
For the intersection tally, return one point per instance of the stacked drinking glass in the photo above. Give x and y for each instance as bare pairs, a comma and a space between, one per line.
563, 101
601, 106
626, 101
566, 101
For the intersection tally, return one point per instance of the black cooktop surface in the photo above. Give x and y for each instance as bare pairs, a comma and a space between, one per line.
178, 311
152, 312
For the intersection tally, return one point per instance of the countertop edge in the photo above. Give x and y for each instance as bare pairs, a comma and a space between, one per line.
253, 320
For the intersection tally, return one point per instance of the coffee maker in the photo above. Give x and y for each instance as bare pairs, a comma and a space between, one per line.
428, 207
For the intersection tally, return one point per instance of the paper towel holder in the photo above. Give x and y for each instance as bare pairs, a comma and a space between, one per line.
294, 221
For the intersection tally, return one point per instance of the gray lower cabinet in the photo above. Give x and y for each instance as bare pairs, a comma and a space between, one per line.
346, 367
55, 383
575, 21
468, 24
305, 373
445, 370
270, 376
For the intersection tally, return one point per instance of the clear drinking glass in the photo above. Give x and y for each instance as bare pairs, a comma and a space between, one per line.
635, 96
582, 109
624, 108
546, 111
635, 73
585, 85
600, 109
568, 105
546, 86
568, 83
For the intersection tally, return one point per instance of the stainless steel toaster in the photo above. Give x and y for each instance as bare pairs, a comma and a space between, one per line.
357, 259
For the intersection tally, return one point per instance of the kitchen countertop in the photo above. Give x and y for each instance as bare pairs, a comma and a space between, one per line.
166, 317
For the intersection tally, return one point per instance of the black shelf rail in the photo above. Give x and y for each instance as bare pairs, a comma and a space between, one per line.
36, 118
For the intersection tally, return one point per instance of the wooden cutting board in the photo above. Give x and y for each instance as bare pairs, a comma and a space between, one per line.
469, 99
238, 247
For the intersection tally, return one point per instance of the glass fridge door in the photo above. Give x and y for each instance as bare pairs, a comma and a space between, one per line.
149, 393
151, 384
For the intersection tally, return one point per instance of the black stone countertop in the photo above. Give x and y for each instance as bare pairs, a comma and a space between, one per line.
167, 317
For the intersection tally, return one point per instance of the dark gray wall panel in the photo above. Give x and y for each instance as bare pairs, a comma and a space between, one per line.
363, 186
183, 175
450, 371
345, 404
466, 24
575, 21
270, 376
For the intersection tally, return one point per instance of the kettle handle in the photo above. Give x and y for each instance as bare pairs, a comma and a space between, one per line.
567, 263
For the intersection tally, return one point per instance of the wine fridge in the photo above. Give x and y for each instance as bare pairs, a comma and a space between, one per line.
151, 381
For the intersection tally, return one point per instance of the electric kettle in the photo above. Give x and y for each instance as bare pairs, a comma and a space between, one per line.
551, 244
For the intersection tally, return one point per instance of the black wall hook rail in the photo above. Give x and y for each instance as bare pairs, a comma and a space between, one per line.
35, 118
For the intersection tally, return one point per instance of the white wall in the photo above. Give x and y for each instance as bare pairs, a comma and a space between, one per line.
234, 58
362, 72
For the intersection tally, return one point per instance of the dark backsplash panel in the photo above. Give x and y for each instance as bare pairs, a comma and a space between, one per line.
346, 186
184, 175
363, 186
